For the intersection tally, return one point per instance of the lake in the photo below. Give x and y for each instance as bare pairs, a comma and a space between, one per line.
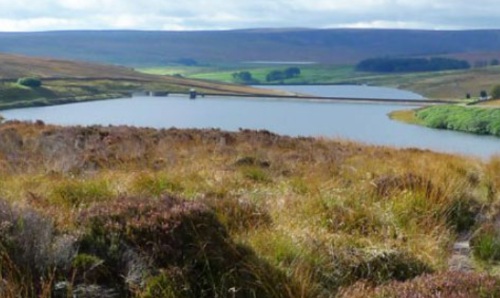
367, 123
348, 91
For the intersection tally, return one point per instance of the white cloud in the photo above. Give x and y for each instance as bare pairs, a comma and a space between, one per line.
24, 15
38, 24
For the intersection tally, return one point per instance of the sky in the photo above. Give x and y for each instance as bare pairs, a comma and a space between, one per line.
42, 15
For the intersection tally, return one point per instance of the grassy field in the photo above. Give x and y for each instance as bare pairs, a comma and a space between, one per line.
442, 85
129, 212
310, 74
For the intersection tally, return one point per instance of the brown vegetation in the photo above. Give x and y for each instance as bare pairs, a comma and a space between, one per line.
138, 212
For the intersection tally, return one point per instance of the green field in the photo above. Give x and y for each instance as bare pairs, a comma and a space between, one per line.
442, 85
310, 74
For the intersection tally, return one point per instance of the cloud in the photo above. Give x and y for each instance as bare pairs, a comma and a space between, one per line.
24, 15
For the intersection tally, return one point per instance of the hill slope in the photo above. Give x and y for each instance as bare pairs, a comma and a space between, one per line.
325, 46
71, 81
15, 66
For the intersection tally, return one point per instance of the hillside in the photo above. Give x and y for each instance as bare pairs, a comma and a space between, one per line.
143, 48
15, 66
69, 81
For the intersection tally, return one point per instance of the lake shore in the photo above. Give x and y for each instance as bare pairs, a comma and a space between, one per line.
480, 120
353, 120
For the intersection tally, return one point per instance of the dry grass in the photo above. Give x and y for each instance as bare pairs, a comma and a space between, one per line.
406, 116
454, 84
323, 214
490, 103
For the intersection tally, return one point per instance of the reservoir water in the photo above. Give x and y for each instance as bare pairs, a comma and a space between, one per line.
348, 91
367, 123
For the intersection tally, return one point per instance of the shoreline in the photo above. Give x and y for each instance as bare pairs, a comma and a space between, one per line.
469, 122
43, 102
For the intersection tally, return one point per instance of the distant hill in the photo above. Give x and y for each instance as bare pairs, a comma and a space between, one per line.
140, 48
15, 66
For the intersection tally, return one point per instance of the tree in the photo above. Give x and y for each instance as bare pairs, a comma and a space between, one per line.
495, 92
30, 82
483, 94
292, 72
480, 64
275, 75
411, 64
494, 62
244, 77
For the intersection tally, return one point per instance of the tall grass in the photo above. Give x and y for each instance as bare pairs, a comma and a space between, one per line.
319, 215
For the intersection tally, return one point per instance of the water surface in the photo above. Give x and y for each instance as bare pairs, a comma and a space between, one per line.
348, 91
367, 123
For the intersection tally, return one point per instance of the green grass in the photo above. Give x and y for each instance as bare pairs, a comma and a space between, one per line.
13, 95
473, 120
310, 74
175, 70
443, 84
52, 92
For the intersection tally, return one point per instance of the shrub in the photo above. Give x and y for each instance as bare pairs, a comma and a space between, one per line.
495, 92
184, 239
29, 250
30, 82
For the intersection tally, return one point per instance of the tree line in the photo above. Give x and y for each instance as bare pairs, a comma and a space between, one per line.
280, 75
245, 77
411, 64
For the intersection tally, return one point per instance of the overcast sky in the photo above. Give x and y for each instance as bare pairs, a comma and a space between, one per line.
40, 15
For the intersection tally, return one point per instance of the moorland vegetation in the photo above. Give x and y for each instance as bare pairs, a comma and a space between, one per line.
138, 212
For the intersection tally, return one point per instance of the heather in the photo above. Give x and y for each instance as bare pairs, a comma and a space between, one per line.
137, 212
